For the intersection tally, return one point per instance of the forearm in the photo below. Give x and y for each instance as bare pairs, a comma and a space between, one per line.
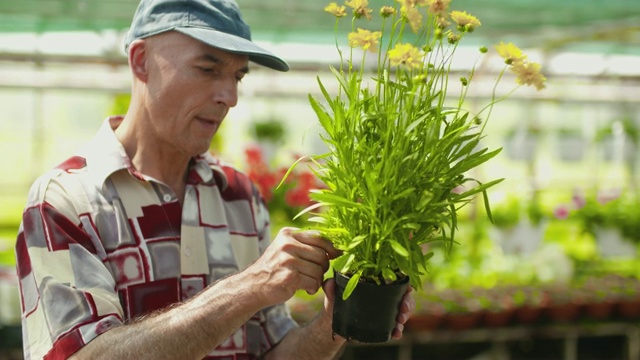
187, 331
314, 341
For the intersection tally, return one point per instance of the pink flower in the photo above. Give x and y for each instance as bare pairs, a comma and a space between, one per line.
561, 212
579, 201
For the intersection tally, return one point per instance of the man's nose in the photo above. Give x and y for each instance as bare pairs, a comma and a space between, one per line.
226, 92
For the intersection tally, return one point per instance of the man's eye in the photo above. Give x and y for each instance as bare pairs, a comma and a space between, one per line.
206, 69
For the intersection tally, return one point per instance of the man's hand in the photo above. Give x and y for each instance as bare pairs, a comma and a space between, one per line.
407, 306
295, 260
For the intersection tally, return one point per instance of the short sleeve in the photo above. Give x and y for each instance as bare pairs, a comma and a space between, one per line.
67, 293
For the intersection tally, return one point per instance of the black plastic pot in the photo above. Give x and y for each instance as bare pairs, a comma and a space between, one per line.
369, 314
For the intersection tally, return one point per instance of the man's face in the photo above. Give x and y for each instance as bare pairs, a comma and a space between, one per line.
190, 87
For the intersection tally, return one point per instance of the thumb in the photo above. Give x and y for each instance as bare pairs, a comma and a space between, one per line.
329, 287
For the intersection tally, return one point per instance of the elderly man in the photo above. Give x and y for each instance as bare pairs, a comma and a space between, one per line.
143, 246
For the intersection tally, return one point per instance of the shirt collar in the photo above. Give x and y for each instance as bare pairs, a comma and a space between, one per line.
105, 155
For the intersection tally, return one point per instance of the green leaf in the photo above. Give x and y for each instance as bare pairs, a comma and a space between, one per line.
338, 263
342, 81
325, 119
289, 170
308, 209
330, 199
389, 275
473, 161
317, 219
347, 263
478, 189
351, 285
398, 248
356, 241
404, 194
412, 126
325, 93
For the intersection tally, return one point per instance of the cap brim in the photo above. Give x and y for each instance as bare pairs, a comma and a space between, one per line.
236, 44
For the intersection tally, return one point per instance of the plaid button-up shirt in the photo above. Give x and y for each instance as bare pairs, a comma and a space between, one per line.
100, 244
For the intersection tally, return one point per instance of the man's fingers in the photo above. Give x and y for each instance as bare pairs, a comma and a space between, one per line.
406, 308
313, 238
408, 302
312, 275
306, 255
397, 332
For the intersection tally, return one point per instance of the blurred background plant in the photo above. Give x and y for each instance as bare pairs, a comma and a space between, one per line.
287, 200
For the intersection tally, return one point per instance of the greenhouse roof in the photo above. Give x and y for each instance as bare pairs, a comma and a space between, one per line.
611, 26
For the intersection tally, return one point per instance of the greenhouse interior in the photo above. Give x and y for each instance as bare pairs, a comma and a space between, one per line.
552, 273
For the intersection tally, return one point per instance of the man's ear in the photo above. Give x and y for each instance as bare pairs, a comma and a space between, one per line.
138, 59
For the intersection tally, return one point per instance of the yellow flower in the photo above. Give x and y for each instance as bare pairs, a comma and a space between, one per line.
365, 39
407, 55
354, 4
413, 3
360, 8
510, 53
466, 22
336, 10
387, 11
413, 16
438, 6
442, 22
528, 73
453, 38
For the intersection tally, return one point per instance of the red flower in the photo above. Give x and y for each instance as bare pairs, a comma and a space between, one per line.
295, 191
298, 197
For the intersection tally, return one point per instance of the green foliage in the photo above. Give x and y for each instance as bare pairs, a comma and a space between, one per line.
626, 124
390, 176
268, 130
506, 214
622, 212
400, 149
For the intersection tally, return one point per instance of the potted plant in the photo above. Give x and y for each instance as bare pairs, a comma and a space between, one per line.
269, 134
618, 139
520, 224
613, 218
463, 309
430, 311
598, 297
627, 290
498, 306
529, 301
398, 145
565, 302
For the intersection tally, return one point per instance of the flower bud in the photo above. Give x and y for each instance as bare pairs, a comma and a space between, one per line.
387, 11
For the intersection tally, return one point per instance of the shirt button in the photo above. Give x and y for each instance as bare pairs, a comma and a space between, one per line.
167, 197
187, 251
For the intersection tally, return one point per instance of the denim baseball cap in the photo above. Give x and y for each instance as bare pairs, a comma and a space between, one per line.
217, 23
